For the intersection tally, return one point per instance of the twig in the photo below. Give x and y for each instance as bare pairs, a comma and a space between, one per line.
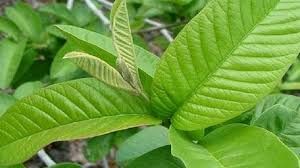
98, 12
105, 163
155, 28
45, 158
70, 4
164, 32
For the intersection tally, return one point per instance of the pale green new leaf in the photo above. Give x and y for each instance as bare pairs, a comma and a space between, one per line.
227, 58
123, 43
102, 47
72, 110
11, 54
280, 114
99, 69
236, 145
27, 89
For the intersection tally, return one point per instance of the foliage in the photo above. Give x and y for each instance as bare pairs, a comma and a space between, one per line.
210, 82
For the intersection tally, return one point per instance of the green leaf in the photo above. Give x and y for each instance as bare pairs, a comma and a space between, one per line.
123, 42
60, 11
26, 19
182, 2
98, 147
235, 145
27, 89
83, 14
158, 158
62, 68
102, 47
26, 62
5, 102
9, 28
227, 58
280, 114
71, 110
121, 136
66, 165
99, 69
141, 143
11, 54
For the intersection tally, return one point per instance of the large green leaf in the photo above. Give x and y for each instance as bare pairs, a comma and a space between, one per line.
72, 110
9, 28
123, 42
280, 114
158, 158
27, 20
99, 69
236, 145
141, 143
227, 58
102, 47
11, 54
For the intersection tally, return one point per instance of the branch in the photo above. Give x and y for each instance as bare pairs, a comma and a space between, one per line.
155, 28
97, 12
105, 163
45, 158
164, 32
70, 4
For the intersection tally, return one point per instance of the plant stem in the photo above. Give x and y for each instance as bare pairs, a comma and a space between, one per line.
70, 4
46, 158
97, 12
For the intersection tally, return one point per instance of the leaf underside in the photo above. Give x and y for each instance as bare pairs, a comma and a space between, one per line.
72, 110
99, 69
226, 59
233, 146
123, 42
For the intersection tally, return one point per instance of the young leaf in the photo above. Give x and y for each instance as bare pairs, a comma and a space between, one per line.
26, 19
99, 69
71, 110
141, 143
11, 54
102, 47
9, 28
27, 89
123, 43
227, 58
235, 145
5, 102
280, 114
158, 158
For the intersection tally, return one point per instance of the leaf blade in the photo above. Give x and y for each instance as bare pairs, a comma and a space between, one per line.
99, 69
233, 146
212, 73
42, 118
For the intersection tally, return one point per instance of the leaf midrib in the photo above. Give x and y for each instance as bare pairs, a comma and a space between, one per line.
208, 77
78, 122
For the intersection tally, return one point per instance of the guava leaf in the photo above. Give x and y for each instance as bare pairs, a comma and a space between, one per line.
280, 114
233, 53
72, 110
102, 47
236, 145
99, 69
123, 43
